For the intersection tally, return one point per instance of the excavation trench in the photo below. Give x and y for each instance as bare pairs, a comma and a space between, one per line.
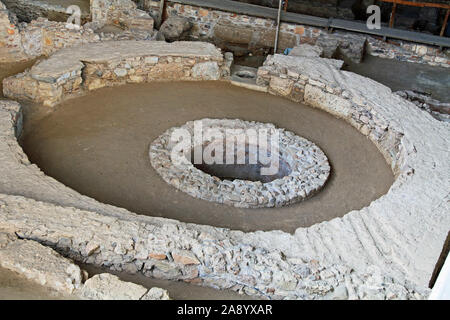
98, 145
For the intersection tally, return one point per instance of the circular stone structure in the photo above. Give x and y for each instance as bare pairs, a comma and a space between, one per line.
387, 250
301, 167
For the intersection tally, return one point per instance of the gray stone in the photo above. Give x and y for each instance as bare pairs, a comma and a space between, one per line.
156, 294
41, 264
306, 50
109, 287
339, 293
120, 72
206, 71
174, 27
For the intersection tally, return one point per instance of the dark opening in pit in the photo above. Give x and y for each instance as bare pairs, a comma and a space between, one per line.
250, 170
245, 74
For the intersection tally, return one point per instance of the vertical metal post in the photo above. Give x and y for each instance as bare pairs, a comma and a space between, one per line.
275, 47
161, 12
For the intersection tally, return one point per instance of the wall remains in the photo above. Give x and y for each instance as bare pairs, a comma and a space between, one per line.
242, 34
71, 71
10, 40
28, 10
122, 13
387, 250
40, 37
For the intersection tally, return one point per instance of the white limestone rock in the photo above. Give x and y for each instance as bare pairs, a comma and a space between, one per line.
156, 294
174, 27
106, 286
206, 71
306, 50
41, 264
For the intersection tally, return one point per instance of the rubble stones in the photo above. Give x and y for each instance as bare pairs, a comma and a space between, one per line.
184, 257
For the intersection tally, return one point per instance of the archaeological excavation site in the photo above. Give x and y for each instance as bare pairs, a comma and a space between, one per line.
224, 150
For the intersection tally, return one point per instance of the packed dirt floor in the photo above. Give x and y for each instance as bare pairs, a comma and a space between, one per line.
98, 145
399, 75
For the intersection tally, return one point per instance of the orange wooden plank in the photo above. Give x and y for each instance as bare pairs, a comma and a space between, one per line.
445, 23
419, 4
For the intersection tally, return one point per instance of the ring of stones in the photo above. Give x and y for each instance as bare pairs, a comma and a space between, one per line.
307, 166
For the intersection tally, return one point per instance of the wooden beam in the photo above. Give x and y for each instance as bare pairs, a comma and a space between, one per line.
419, 4
392, 20
444, 26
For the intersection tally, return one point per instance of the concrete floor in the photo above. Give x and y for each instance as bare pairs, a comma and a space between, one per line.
98, 145
399, 75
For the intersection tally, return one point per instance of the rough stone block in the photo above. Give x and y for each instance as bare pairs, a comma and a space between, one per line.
206, 71
306, 50
109, 287
41, 264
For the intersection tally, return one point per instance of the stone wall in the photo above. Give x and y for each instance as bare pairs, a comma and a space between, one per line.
122, 13
238, 33
10, 40
70, 71
40, 37
408, 51
242, 34
28, 10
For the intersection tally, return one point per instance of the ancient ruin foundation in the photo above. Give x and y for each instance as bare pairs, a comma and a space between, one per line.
386, 249
301, 168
